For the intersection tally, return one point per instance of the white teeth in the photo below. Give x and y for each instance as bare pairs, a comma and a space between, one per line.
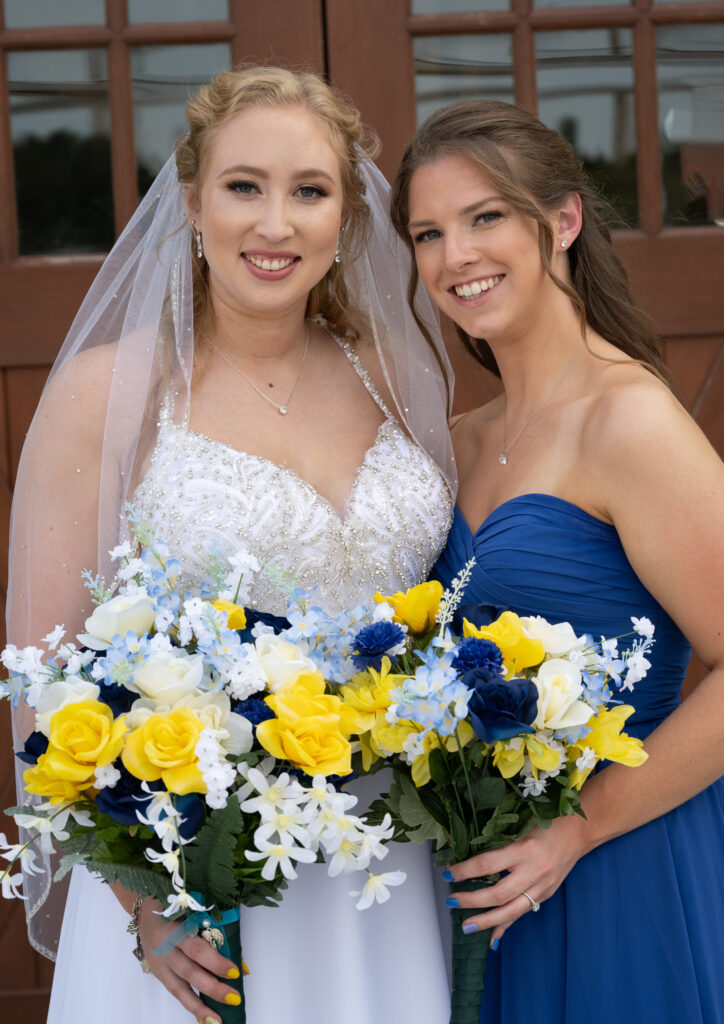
469, 291
267, 264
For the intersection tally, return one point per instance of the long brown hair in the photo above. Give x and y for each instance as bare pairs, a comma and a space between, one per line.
268, 86
535, 170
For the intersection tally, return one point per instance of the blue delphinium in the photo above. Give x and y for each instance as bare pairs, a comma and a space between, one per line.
475, 652
375, 641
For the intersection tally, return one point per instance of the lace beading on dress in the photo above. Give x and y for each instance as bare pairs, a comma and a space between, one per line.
202, 495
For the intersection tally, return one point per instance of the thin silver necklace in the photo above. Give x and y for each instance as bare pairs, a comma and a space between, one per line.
282, 409
503, 457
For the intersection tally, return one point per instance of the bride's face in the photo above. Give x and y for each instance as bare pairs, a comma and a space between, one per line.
270, 209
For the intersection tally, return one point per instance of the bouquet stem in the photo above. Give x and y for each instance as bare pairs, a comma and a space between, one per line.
469, 960
231, 1014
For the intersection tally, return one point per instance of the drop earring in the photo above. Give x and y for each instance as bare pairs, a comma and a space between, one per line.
197, 236
338, 254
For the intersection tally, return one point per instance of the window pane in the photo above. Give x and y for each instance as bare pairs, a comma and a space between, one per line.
36, 13
61, 141
177, 10
579, 3
164, 77
449, 69
457, 6
690, 66
585, 91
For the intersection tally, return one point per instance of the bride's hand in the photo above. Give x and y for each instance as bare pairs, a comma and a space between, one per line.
535, 864
192, 964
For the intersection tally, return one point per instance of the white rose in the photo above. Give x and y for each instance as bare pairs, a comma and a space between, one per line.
132, 612
168, 676
59, 693
559, 687
557, 639
280, 660
233, 732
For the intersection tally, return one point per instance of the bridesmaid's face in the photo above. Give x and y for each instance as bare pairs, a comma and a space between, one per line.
270, 209
476, 255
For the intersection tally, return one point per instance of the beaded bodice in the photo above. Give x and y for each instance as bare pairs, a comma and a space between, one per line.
202, 495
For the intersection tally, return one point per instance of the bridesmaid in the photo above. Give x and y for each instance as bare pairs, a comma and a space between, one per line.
587, 494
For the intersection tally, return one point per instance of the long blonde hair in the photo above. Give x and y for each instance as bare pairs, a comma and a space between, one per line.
261, 86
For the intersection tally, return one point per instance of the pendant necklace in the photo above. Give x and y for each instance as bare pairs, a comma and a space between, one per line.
503, 457
281, 409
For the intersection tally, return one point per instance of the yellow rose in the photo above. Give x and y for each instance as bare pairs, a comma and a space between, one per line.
508, 756
43, 781
518, 650
163, 747
417, 608
83, 736
235, 612
312, 728
421, 764
608, 743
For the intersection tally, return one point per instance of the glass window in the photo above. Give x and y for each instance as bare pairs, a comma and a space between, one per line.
690, 69
579, 3
449, 69
164, 77
61, 141
177, 10
37, 13
586, 92
457, 6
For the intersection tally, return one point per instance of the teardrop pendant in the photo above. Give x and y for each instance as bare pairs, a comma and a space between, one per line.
502, 459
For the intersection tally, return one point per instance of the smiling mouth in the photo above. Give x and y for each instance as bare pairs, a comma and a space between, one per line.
472, 289
264, 263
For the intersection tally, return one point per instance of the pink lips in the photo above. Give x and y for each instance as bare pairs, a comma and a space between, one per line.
270, 275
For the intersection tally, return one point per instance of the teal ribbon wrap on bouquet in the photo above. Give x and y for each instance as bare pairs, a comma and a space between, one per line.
228, 930
469, 959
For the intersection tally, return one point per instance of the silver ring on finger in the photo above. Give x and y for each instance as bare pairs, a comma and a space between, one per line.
534, 904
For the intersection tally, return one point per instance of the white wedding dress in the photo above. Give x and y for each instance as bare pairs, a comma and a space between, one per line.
315, 959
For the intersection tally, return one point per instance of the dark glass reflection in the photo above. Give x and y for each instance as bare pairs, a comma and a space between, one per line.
450, 69
61, 144
586, 92
177, 10
690, 70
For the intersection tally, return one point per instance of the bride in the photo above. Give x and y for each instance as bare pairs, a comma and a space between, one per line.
244, 372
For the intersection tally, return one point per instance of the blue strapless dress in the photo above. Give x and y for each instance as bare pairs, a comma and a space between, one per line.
636, 931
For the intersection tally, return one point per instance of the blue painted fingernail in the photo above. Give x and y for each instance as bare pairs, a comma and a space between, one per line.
469, 927
495, 943
452, 901
448, 875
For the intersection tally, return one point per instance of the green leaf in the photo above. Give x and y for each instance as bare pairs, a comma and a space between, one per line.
142, 881
488, 791
210, 858
460, 837
67, 863
429, 830
439, 772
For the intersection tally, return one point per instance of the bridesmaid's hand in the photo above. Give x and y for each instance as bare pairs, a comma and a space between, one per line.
536, 864
192, 964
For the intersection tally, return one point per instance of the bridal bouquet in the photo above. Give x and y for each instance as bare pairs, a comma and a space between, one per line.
191, 749
488, 733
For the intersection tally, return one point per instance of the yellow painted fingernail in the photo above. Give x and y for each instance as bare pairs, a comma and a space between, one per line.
232, 998
210, 1020
232, 973
244, 968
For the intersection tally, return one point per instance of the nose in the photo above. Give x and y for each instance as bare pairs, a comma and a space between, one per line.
459, 250
274, 222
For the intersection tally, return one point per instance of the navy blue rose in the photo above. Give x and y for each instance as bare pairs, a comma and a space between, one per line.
121, 802
35, 745
255, 710
477, 614
474, 652
373, 642
500, 708
277, 622
118, 698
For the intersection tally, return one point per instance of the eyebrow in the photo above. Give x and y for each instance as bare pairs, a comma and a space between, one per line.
461, 213
258, 172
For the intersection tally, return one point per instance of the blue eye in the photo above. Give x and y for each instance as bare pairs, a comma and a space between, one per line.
427, 236
311, 192
245, 188
488, 217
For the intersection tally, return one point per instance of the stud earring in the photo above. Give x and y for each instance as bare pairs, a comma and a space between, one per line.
199, 246
564, 244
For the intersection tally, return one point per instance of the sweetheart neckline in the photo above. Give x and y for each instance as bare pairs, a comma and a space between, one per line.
533, 495
340, 515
